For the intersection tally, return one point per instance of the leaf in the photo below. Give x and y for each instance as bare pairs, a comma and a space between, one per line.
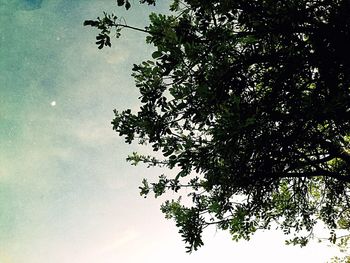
120, 2
156, 54
92, 23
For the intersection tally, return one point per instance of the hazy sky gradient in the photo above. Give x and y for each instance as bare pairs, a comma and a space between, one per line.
66, 193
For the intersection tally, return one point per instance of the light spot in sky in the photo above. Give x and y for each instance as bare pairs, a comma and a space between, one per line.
53, 103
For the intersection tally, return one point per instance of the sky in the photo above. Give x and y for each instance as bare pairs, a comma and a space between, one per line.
66, 192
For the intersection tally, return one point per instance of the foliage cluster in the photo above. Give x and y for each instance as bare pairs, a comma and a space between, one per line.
250, 101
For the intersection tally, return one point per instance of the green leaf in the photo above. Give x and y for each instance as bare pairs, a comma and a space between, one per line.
120, 2
156, 54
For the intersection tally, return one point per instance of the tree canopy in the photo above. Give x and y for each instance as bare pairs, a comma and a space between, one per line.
249, 102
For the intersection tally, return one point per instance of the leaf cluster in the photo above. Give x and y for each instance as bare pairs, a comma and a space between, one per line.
250, 102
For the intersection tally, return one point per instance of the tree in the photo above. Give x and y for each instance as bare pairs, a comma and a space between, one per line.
249, 102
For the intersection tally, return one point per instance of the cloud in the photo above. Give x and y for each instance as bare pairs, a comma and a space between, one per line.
120, 241
30, 4
115, 57
93, 133
4, 258
111, 245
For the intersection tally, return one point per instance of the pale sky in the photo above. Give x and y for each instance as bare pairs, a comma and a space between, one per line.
66, 193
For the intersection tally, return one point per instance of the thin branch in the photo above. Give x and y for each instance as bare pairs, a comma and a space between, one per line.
134, 28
